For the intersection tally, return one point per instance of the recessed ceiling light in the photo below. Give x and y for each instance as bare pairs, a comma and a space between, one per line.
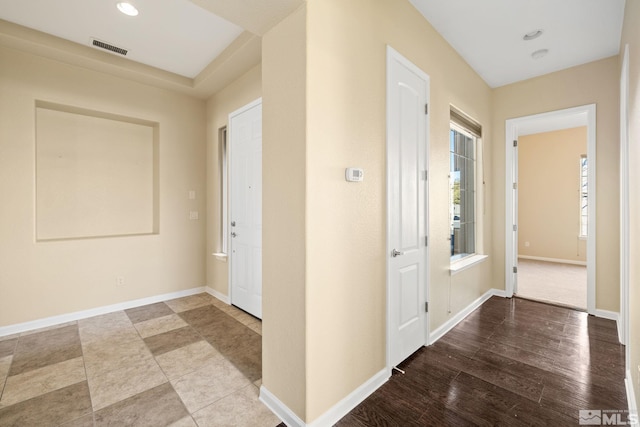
539, 53
127, 8
532, 35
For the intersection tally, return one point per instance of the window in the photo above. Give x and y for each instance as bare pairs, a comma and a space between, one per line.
584, 196
222, 169
462, 185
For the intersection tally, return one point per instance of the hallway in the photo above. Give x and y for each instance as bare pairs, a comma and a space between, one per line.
511, 362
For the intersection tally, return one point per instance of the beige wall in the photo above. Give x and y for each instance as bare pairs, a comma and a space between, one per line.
345, 222
549, 194
324, 110
323, 88
94, 175
593, 83
242, 91
43, 279
631, 36
284, 193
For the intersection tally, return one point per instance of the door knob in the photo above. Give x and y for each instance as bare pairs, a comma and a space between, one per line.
395, 253
233, 234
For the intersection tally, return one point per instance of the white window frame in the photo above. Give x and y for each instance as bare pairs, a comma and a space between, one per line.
454, 259
223, 160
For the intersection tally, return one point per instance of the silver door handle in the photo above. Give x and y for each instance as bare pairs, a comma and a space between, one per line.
233, 234
395, 253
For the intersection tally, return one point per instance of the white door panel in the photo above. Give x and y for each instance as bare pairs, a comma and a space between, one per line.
407, 95
245, 142
408, 284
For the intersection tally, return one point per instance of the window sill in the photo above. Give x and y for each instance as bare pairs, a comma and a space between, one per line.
465, 263
220, 256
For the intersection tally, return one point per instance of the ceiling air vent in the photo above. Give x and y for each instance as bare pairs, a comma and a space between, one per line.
109, 47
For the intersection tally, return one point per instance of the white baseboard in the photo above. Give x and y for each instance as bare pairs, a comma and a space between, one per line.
347, 404
498, 293
556, 260
606, 314
78, 315
335, 413
280, 409
222, 297
451, 323
631, 395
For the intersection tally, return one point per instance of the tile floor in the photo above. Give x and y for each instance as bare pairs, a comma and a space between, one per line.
192, 361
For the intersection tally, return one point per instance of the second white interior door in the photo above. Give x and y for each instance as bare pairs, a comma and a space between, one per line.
245, 151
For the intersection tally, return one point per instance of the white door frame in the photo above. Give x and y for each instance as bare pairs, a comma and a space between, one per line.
393, 55
514, 127
229, 171
623, 325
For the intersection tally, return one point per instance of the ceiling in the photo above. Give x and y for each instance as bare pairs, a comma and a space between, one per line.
488, 34
194, 46
199, 46
173, 35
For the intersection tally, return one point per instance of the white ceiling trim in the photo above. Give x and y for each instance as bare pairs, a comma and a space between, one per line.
242, 55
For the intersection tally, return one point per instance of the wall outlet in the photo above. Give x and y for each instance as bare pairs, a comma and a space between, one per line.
527, 244
120, 281
192, 195
193, 215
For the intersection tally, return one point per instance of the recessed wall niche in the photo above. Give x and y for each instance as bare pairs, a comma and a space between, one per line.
96, 174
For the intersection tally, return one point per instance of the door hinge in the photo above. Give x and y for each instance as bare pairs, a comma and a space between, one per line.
426, 108
426, 307
426, 240
515, 185
425, 175
515, 269
515, 227
515, 142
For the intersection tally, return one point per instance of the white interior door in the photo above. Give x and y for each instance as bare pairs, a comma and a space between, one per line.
245, 152
514, 219
407, 121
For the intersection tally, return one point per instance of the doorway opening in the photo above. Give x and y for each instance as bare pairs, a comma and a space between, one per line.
552, 216
550, 207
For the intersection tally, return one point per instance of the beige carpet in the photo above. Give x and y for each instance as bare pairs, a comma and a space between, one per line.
564, 284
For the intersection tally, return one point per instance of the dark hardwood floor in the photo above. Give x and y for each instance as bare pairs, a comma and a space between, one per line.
510, 362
